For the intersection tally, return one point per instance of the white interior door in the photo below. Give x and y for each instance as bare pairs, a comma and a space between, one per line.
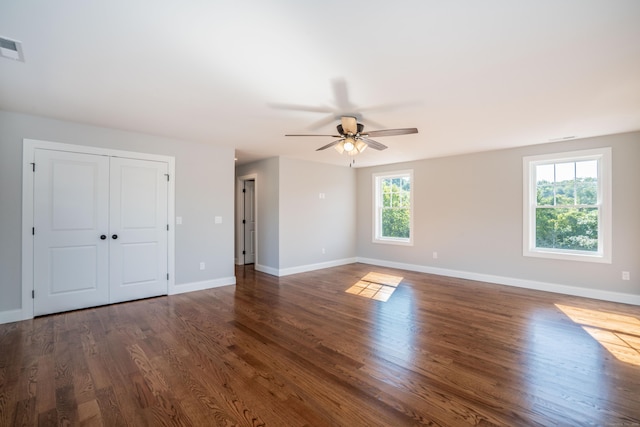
249, 222
138, 229
71, 199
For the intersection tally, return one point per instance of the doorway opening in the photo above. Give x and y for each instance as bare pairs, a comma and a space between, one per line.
247, 225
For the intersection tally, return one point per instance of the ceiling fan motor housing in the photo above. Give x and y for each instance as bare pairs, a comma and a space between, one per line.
341, 129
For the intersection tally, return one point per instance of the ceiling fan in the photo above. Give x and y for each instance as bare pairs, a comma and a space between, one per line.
354, 140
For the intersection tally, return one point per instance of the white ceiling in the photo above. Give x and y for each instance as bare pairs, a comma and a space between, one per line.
470, 75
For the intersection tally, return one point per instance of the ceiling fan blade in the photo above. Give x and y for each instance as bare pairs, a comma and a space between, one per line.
312, 134
349, 124
296, 107
331, 118
389, 107
331, 144
371, 123
341, 94
375, 144
392, 132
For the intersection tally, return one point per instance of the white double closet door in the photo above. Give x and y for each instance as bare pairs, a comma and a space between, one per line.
100, 230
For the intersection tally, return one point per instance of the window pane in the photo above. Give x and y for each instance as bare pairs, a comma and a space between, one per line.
545, 194
565, 172
386, 196
406, 184
587, 193
587, 169
395, 200
544, 174
393, 210
567, 228
405, 200
565, 193
395, 223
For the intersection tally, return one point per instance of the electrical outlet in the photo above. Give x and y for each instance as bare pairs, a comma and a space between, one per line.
323, 251
435, 255
202, 266
179, 220
626, 275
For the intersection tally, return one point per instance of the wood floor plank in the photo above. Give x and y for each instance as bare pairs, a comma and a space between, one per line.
301, 351
46, 388
110, 411
25, 413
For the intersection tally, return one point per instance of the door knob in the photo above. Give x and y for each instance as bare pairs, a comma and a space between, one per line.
115, 236
103, 237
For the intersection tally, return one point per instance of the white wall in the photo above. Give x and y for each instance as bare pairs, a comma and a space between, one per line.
308, 223
294, 224
468, 208
204, 189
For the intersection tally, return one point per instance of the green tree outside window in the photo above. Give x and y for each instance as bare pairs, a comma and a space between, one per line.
396, 208
567, 213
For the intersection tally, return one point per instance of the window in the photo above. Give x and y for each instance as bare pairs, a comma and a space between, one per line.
567, 205
393, 208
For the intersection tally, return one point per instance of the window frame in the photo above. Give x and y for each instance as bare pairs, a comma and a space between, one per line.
377, 208
604, 192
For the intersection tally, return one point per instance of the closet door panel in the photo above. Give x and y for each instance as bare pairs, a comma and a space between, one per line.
71, 197
138, 229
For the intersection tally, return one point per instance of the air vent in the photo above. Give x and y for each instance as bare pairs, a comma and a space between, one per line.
11, 49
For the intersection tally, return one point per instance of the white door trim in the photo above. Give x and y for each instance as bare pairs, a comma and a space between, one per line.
28, 151
239, 228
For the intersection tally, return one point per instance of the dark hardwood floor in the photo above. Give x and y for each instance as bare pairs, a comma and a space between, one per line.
300, 351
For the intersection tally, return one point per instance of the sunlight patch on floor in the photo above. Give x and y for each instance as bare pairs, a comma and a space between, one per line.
619, 334
376, 286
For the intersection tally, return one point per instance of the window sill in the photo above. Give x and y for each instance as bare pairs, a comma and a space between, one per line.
394, 242
568, 256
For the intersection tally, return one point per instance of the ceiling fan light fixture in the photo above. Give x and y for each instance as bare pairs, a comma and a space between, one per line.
361, 145
349, 144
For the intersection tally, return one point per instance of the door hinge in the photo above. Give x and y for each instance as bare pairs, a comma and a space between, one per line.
167, 227
244, 221
33, 166
33, 231
167, 276
167, 175
244, 191
33, 294
244, 252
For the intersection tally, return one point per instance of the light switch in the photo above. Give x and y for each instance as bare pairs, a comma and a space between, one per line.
178, 220
218, 220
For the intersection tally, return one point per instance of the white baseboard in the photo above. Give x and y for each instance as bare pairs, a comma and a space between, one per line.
313, 267
11, 316
304, 268
200, 286
510, 281
265, 269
